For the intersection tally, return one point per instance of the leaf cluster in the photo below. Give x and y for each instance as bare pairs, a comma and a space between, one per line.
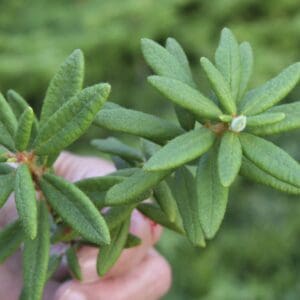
185, 167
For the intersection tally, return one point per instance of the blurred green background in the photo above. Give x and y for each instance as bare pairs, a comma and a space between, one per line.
256, 254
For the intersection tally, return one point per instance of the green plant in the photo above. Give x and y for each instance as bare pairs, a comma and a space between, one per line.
190, 195
223, 129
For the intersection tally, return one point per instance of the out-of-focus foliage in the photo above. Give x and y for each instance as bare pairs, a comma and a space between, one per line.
256, 255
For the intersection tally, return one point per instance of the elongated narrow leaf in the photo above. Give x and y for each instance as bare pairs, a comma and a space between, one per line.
18, 104
187, 202
115, 147
228, 61
176, 50
117, 215
95, 188
153, 212
7, 116
165, 63
109, 254
11, 236
263, 97
53, 265
75, 208
246, 55
132, 241
251, 171
181, 150
271, 159
126, 120
264, 119
66, 83
7, 183
164, 197
6, 169
36, 258
229, 158
185, 96
26, 201
290, 122
124, 172
23, 132
73, 263
149, 148
219, 85
71, 120
212, 195
186, 120
134, 188
8, 124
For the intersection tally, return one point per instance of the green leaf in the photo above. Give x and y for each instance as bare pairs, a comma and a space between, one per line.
18, 104
290, 122
165, 199
212, 195
73, 263
11, 236
126, 120
186, 120
174, 48
181, 150
271, 159
264, 119
153, 212
124, 172
71, 120
229, 158
36, 258
134, 188
114, 147
7, 116
246, 55
117, 215
95, 188
251, 171
265, 96
8, 124
7, 183
75, 208
23, 132
108, 255
187, 202
219, 85
26, 202
6, 169
132, 241
164, 62
53, 265
185, 96
228, 61
66, 83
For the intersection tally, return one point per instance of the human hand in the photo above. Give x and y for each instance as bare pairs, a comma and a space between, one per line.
140, 273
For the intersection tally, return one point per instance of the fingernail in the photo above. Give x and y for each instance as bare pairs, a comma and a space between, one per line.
72, 295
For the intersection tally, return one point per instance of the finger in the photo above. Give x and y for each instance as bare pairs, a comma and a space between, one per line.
141, 227
149, 280
74, 167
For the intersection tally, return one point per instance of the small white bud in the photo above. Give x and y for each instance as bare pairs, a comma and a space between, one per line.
238, 124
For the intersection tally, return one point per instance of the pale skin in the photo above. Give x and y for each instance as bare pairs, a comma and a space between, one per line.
141, 273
